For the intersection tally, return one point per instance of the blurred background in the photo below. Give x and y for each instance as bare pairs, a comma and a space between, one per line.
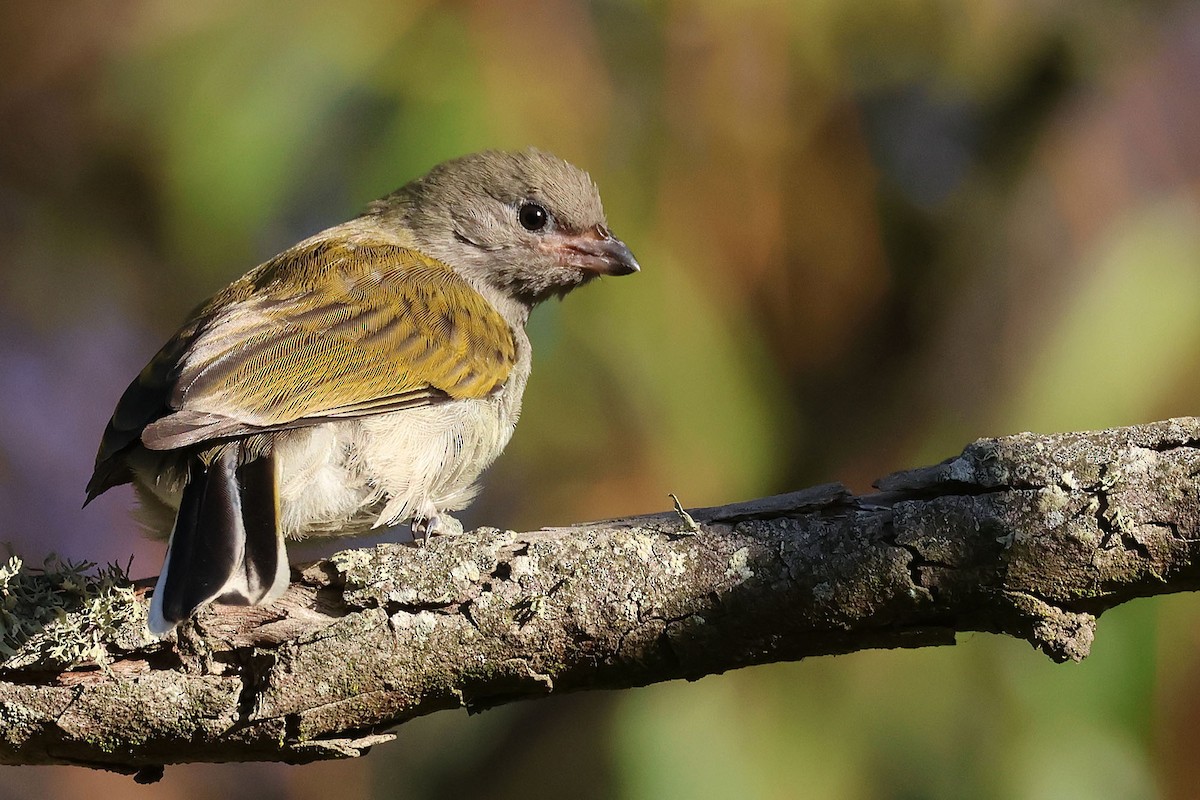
871, 231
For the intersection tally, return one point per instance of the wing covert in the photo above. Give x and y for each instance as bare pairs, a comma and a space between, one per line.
326, 330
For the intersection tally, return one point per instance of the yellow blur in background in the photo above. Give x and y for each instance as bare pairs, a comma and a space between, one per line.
870, 231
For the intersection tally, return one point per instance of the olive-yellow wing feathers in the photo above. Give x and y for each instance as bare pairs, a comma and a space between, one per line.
326, 330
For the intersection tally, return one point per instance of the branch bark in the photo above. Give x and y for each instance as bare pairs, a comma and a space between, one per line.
1029, 536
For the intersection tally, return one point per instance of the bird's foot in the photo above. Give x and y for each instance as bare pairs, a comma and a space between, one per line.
436, 524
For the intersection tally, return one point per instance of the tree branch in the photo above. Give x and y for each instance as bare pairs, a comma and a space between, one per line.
1030, 536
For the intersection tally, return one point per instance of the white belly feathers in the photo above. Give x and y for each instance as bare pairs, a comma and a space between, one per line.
349, 476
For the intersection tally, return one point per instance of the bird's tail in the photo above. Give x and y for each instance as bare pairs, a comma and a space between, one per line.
227, 544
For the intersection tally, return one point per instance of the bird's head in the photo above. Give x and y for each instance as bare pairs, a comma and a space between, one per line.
527, 224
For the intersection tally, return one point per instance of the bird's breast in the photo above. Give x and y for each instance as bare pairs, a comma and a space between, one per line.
347, 476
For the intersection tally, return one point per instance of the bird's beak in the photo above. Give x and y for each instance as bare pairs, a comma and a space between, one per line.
599, 252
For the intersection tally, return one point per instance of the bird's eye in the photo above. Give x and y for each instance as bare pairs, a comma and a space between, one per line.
532, 216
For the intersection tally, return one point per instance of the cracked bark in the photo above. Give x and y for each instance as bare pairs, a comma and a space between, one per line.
1029, 536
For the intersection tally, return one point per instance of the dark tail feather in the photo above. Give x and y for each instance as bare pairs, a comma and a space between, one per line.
226, 544
264, 569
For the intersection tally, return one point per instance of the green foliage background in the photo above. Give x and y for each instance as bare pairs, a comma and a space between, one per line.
871, 231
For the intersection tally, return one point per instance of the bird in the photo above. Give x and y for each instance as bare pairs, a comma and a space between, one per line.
362, 378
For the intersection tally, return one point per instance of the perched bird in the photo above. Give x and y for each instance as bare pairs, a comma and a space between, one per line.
361, 378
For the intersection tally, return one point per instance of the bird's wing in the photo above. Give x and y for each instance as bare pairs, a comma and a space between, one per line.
324, 331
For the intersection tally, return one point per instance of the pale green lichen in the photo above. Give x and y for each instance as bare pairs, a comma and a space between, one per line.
739, 568
676, 564
639, 544
354, 564
63, 613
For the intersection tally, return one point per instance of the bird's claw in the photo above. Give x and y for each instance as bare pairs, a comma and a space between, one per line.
434, 525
